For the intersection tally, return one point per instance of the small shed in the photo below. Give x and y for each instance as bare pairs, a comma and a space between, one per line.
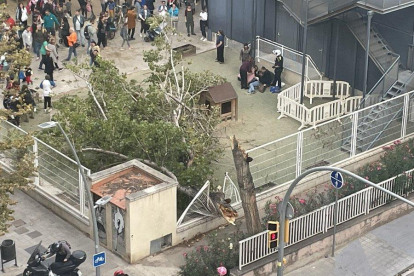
224, 97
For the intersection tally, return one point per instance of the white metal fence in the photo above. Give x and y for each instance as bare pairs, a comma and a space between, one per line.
321, 220
292, 58
288, 102
58, 175
279, 162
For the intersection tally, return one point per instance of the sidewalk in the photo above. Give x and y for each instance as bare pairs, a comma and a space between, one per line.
34, 223
385, 251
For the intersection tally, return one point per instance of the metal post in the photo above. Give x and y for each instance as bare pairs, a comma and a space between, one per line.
254, 26
335, 221
364, 91
305, 35
405, 115
88, 193
283, 206
336, 59
36, 161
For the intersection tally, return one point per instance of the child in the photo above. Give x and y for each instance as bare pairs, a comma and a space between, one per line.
69, 8
22, 77
28, 74
125, 36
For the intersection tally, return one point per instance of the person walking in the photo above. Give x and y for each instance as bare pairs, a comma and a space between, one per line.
220, 47
47, 86
131, 17
125, 36
49, 22
51, 47
244, 69
72, 44
43, 53
49, 65
102, 32
278, 66
203, 24
39, 35
189, 20
78, 23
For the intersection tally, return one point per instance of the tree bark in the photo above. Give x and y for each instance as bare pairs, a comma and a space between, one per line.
247, 193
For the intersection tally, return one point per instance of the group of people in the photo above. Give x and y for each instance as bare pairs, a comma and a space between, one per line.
262, 77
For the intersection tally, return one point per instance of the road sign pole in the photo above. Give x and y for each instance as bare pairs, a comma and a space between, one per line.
335, 221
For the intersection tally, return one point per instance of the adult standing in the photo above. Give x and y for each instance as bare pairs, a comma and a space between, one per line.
245, 53
143, 17
102, 32
94, 53
78, 22
138, 7
82, 4
103, 5
150, 6
203, 24
131, 16
244, 69
21, 14
91, 30
43, 53
47, 86
27, 38
49, 22
64, 31
163, 10
71, 41
220, 46
189, 20
278, 66
174, 17
39, 35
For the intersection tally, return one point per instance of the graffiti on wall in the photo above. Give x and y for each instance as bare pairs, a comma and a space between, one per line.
101, 222
118, 231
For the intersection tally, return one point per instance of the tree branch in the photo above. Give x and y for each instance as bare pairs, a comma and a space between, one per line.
106, 152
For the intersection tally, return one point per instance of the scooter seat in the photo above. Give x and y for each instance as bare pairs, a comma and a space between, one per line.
62, 268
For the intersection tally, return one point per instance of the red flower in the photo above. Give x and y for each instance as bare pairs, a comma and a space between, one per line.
185, 255
302, 201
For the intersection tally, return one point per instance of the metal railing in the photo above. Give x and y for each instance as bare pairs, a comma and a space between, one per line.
292, 58
58, 175
387, 80
321, 220
280, 161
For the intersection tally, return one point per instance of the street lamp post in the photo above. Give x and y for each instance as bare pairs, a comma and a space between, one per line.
88, 190
285, 201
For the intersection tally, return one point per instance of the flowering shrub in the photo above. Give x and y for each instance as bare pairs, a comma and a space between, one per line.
220, 251
398, 158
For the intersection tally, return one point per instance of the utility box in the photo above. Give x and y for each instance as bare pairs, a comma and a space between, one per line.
141, 217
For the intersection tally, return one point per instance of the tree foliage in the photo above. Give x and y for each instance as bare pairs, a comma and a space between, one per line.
159, 119
14, 152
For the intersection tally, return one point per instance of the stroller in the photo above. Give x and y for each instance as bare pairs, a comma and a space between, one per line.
152, 34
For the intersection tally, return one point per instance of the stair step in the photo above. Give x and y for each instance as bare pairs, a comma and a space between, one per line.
393, 93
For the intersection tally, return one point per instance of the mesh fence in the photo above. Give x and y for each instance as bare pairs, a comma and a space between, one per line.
280, 161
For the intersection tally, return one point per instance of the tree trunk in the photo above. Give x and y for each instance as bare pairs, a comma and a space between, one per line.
247, 193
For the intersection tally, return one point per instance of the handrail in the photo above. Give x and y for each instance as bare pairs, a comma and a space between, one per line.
294, 51
381, 79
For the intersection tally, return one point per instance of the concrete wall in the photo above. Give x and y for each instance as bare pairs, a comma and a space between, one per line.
149, 218
275, 23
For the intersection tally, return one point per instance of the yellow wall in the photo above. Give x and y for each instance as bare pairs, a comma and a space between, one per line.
149, 218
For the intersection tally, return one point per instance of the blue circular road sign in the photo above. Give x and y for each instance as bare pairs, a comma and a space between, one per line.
337, 179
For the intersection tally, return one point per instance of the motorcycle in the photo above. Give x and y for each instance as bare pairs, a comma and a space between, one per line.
35, 266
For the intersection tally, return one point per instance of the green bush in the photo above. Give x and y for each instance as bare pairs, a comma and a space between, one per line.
220, 251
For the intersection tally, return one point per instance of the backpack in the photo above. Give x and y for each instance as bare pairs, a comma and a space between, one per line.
86, 33
60, 242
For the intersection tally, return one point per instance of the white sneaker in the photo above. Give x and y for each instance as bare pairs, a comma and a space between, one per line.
121, 49
34, 110
140, 35
202, 38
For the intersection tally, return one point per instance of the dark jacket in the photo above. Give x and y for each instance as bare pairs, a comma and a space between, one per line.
266, 78
278, 63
